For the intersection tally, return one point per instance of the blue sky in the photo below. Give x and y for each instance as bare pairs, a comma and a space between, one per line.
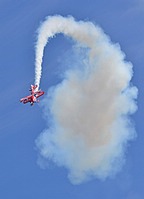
20, 125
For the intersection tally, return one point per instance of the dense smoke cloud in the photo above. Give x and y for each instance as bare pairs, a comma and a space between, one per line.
89, 110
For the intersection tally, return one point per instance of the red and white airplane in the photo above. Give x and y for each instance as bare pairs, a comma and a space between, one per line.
33, 97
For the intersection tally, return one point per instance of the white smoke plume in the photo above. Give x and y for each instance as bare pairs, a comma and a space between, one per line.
89, 110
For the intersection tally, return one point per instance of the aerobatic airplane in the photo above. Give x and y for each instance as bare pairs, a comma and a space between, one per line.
33, 97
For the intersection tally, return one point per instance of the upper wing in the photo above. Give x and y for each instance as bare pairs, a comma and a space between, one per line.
26, 99
39, 93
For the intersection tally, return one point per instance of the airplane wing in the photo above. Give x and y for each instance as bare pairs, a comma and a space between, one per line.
39, 93
26, 99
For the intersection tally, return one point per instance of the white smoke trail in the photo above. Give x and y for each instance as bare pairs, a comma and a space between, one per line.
90, 109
